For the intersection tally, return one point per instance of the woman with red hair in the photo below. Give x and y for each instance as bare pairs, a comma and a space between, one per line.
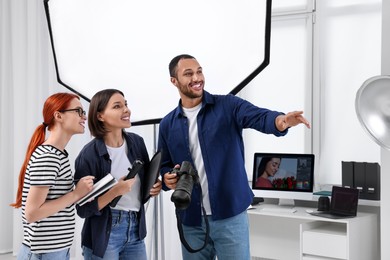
46, 191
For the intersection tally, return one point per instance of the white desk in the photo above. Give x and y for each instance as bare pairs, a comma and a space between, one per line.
299, 235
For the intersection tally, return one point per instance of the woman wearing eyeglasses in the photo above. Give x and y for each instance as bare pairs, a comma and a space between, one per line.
46, 191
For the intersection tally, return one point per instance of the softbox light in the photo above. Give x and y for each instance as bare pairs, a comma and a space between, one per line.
372, 105
127, 45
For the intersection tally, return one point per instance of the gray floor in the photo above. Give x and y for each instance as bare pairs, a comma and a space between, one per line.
7, 257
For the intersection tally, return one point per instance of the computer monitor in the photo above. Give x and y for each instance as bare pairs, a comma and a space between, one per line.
283, 176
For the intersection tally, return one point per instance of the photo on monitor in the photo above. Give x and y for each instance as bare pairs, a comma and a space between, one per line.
283, 172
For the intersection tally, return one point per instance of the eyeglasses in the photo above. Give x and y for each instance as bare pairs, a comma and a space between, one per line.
79, 110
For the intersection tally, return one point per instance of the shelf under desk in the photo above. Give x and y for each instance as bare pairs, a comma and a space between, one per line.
279, 235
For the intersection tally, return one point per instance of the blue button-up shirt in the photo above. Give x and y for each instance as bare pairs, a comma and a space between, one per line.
220, 123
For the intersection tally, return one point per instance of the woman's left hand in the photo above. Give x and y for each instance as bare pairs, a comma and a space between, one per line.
155, 190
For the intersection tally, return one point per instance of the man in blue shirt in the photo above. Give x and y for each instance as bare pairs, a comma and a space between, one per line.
206, 130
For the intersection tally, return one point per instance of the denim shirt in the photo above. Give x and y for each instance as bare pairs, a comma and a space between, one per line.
221, 121
94, 160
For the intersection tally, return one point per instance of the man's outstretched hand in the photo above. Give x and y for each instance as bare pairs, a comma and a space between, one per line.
291, 119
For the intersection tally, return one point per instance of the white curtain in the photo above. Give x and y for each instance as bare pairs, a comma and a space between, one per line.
26, 79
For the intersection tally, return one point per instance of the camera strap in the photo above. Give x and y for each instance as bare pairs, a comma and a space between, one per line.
181, 233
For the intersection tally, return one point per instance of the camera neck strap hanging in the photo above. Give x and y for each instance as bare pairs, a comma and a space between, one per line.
181, 233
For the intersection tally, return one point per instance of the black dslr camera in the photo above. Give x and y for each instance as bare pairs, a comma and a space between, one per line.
188, 176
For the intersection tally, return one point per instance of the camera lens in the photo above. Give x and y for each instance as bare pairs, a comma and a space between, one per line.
182, 194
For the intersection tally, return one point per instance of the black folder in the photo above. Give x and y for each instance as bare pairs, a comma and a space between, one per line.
360, 176
151, 175
347, 174
373, 184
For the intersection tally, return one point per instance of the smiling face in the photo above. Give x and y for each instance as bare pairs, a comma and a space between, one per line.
116, 115
72, 122
272, 167
189, 80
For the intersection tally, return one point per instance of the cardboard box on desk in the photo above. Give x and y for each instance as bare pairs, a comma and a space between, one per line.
364, 176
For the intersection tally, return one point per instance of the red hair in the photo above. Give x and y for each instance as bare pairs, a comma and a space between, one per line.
55, 102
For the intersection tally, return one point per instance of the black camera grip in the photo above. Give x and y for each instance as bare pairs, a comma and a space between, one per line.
137, 166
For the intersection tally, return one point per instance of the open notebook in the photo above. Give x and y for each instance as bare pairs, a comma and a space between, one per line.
98, 188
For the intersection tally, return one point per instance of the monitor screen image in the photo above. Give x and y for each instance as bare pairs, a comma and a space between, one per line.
283, 172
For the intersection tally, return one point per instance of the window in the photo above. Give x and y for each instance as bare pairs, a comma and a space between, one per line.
286, 83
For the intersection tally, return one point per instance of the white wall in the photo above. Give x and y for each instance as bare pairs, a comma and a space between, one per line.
349, 52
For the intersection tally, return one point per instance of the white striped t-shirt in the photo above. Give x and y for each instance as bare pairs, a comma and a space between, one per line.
49, 166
